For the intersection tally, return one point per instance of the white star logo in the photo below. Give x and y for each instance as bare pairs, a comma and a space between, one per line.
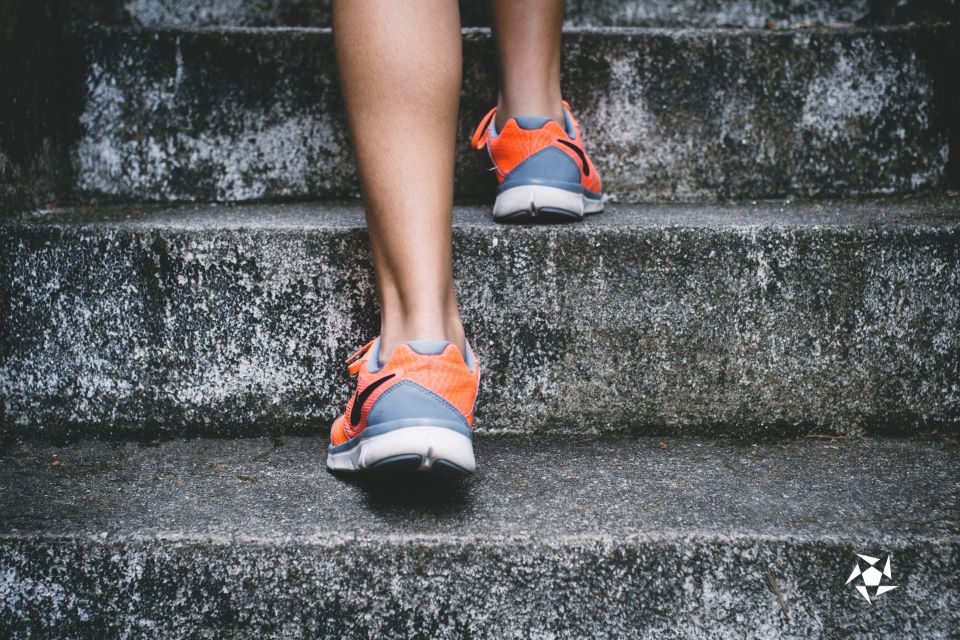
871, 577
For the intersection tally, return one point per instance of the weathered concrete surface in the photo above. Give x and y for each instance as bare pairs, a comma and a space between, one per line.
764, 319
553, 538
34, 151
754, 13
234, 115
316, 13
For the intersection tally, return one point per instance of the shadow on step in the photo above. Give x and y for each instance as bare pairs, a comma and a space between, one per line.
431, 494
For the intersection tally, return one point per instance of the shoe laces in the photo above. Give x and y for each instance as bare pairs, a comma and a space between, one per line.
355, 362
479, 139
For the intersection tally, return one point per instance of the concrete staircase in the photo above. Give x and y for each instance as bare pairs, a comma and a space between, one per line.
696, 409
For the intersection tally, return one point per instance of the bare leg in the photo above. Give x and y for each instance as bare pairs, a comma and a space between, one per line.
400, 64
528, 44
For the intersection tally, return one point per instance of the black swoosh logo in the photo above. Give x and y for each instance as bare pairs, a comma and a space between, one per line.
362, 397
583, 156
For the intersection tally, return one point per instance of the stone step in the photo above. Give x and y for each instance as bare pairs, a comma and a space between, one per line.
554, 538
703, 13
686, 115
765, 319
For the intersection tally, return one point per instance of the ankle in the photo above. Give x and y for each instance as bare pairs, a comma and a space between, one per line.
543, 106
395, 333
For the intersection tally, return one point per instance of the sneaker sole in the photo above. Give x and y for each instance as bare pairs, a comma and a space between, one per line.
410, 449
539, 203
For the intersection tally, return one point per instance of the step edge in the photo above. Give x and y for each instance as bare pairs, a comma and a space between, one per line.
485, 32
925, 213
333, 539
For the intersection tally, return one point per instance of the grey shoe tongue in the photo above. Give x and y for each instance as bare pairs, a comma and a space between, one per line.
531, 123
428, 347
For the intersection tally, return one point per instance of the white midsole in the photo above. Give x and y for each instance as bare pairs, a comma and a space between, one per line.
431, 443
534, 197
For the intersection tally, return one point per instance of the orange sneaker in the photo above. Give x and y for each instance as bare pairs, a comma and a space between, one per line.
543, 171
413, 413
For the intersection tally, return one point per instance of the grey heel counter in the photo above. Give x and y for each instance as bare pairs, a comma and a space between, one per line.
547, 165
408, 400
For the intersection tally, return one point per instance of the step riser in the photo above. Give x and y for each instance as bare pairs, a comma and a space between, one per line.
316, 13
703, 328
238, 115
589, 588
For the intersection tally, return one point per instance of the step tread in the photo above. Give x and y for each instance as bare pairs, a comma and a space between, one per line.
554, 538
551, 490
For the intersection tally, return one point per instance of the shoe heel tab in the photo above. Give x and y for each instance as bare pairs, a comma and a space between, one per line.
440, 347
